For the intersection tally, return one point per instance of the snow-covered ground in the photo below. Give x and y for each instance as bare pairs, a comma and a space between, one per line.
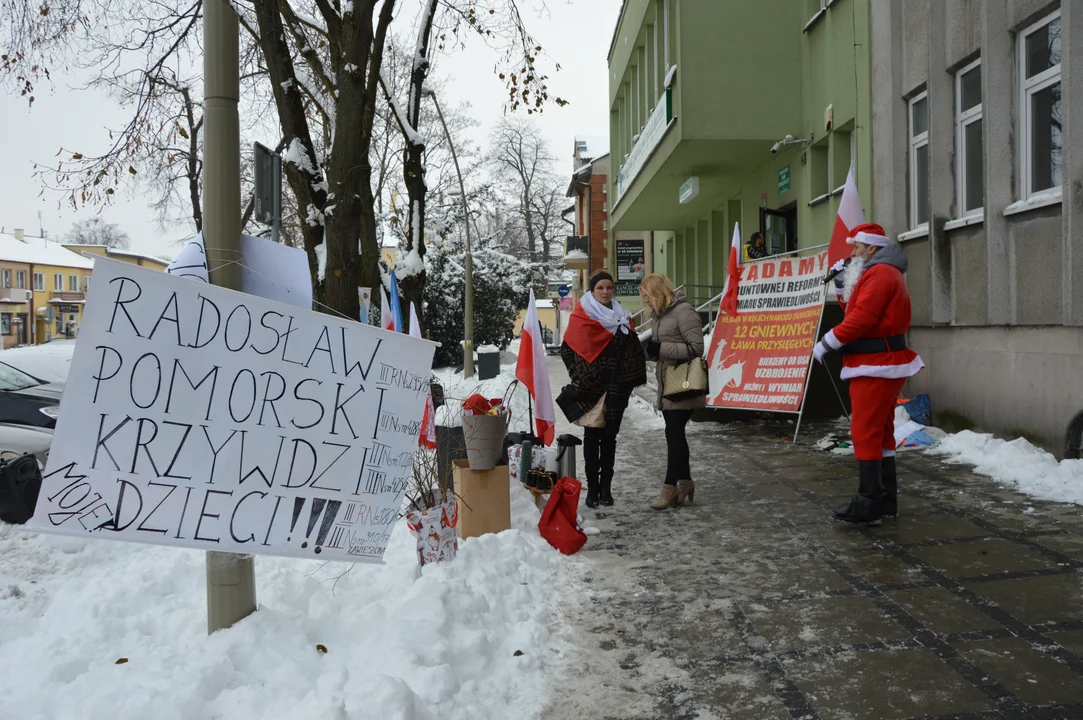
100, 629
1018, 464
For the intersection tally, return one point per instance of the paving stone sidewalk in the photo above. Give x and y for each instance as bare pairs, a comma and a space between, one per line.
751, 603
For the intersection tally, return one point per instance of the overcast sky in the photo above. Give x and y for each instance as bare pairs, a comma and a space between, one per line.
575, 33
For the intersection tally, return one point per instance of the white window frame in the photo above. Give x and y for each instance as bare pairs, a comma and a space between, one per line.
39, 282
964, 119
1027, 88
7, 278
915, 143
73, 283
58, 282
20, 279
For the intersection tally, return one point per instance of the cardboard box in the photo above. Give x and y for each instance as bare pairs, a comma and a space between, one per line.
484, 499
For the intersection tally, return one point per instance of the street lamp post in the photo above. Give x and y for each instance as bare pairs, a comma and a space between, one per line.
468, 330
231, 578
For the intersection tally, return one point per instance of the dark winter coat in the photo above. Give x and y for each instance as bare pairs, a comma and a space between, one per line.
619, 370
679, 329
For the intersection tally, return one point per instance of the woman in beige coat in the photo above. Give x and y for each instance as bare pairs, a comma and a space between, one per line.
676, 336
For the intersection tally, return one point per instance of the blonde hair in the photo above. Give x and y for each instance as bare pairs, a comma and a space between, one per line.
659, 289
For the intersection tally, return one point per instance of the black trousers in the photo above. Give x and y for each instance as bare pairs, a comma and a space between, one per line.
600, 449
678, 456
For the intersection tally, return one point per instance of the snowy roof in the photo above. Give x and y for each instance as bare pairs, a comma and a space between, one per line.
119, 253
38, 251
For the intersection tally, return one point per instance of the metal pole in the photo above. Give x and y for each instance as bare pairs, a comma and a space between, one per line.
231, 578
468, 331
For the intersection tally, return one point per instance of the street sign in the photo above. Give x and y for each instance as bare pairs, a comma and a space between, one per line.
689, 190
784, 180
564, 290
268, 193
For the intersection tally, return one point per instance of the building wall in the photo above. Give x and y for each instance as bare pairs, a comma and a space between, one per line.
997, 295
19, 306
772, 77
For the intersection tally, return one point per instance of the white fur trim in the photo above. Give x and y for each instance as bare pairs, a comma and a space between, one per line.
910, 369
869, 239
889, 453
831, 341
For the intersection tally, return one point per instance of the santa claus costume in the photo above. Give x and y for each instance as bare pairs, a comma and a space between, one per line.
876, 361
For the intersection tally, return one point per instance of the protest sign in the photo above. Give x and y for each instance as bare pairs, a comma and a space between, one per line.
759, 360
202, 417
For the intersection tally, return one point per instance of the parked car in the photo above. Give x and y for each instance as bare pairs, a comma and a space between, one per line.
27, 400
16, 440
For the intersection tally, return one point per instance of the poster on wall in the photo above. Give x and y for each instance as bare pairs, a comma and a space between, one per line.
760, 358
631, 266
201, 417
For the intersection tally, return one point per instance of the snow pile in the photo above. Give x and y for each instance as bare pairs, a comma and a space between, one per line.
575, 255
468, 639
49, 362
1017, 463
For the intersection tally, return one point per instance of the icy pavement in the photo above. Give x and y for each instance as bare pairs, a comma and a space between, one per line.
752, 604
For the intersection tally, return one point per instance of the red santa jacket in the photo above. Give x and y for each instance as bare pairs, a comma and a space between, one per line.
879, 307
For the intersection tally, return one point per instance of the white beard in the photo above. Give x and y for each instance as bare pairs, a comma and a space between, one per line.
850, 276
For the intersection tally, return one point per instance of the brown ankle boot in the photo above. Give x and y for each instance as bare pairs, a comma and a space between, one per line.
666, 498
686, 489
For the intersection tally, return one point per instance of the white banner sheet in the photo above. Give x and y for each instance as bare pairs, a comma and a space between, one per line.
206, 418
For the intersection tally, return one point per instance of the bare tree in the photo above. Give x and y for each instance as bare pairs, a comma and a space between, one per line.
526, 169
322, 62
95, 231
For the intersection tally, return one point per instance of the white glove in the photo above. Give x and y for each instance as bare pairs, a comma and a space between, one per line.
839, 265
819, 351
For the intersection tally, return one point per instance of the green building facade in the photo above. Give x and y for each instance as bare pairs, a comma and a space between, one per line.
700, 93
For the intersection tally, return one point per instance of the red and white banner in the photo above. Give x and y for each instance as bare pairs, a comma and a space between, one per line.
759, 358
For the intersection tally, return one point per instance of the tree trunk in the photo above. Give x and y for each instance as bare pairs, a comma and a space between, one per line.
413, 169
291, 115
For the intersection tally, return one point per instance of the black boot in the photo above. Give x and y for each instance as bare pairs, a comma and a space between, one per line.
605, 495
867, 506
889, 479
592, 493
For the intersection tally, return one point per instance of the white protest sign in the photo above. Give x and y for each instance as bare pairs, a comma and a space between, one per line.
198, 416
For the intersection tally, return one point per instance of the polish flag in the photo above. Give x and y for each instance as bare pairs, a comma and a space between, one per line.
530, 370
733, 276
850, 216
386, 321
428, 423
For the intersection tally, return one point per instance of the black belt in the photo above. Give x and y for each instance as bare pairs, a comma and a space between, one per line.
866, 346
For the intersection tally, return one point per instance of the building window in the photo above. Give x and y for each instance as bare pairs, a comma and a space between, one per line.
20, 279
1040, 113
58, 282
39, 282
968, 153
86, 284
5, 323
7, 278
73, 283
919, 161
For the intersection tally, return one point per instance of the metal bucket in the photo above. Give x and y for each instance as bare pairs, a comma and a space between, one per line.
483, 436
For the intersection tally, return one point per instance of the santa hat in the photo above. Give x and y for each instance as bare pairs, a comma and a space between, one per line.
869, 234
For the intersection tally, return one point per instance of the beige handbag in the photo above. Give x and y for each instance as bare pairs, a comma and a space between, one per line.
685, 380
595, 417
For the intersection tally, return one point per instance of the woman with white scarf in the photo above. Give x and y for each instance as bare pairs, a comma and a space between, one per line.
605, 362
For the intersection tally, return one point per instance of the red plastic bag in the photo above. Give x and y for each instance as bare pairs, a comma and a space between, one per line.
558, 520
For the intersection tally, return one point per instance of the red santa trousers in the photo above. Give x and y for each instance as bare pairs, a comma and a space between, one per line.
872, 424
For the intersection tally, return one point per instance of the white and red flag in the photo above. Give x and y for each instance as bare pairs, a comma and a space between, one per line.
387, 320
733, 275
850, 216
428, 423
531, 371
